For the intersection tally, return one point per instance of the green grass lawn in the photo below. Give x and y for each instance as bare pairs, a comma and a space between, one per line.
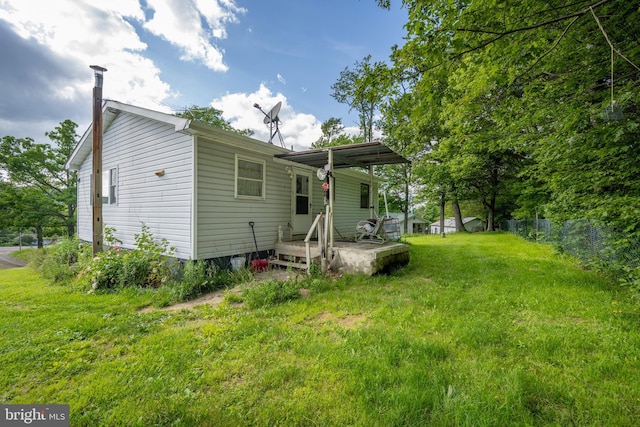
480, 329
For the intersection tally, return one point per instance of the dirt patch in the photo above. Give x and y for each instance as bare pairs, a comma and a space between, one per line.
216, 297
349, 321
213, 299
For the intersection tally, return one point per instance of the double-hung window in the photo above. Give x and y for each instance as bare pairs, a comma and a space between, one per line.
250, 178
110, 186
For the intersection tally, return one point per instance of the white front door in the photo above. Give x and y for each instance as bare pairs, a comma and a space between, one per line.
301, 203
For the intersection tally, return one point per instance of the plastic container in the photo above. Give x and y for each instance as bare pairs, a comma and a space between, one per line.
392, 229
238, 262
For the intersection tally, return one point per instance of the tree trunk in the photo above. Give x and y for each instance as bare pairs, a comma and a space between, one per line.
455, 205
491, 207
39, 237
442, 206
71, 229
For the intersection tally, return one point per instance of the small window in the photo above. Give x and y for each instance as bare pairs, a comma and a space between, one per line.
110, 186
250, 178
364, 196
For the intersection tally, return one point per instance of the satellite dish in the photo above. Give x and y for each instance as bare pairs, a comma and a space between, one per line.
321, 174
272, 116
272, 120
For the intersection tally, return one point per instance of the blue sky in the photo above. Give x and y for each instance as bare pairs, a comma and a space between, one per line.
170, 54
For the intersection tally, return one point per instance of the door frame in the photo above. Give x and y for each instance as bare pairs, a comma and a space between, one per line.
301, 223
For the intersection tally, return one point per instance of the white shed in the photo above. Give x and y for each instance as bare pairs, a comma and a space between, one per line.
416, 224
470, 224
199, 186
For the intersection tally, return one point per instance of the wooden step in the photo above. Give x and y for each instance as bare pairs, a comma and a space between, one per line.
297, 251
288, 264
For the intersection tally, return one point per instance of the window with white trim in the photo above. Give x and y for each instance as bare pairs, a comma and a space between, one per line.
110, 186
250, 178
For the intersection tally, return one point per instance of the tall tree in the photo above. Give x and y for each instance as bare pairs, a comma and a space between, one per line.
333, 134
363, 89
41, 166
27, 207
213, 117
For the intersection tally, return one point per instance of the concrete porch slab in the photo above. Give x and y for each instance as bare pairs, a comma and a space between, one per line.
357, 257
369, 258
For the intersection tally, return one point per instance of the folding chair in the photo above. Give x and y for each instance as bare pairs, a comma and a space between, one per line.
371, 231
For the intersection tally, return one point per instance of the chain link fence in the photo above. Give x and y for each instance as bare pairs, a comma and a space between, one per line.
584, 239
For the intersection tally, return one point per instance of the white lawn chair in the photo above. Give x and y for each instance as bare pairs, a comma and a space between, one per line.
371, 231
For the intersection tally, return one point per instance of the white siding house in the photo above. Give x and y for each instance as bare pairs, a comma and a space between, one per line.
200, 187
415, 225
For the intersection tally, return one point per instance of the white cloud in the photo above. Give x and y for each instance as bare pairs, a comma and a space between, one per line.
281, 79
79, 35
180, 23
297, 129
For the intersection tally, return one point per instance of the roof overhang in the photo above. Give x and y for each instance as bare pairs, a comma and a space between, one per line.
347, 156
111, 109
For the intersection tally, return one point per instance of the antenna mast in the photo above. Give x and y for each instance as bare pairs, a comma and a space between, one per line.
272, 120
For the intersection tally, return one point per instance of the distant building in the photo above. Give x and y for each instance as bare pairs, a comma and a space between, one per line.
417, 224
471, 224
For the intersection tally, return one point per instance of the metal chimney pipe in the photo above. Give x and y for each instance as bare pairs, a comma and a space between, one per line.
97, 158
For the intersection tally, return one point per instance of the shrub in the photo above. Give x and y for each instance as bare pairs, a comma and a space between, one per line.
199, 277
61, 262
150, 265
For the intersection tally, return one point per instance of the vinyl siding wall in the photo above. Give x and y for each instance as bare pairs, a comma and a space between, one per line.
347, 210
223, 219
138, 147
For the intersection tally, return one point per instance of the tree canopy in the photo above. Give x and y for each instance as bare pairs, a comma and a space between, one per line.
213, 117
334, 134
526, 106
39, 191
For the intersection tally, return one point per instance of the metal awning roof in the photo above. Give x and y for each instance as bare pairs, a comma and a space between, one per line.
347, 156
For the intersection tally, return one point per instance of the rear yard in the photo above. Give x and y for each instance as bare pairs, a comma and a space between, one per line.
479, 329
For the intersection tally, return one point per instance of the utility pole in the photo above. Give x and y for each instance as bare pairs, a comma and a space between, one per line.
96, 173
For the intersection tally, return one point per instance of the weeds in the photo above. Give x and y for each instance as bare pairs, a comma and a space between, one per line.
199, 277
62, 261
150, 265
271, 292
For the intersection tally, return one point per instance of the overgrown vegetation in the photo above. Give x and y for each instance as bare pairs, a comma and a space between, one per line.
150, 265
273, 292
479, 329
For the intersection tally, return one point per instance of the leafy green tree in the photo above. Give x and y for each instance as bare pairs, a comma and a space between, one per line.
536, 98
363, 89
333, 135
213, 117
32, 166
27, 207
